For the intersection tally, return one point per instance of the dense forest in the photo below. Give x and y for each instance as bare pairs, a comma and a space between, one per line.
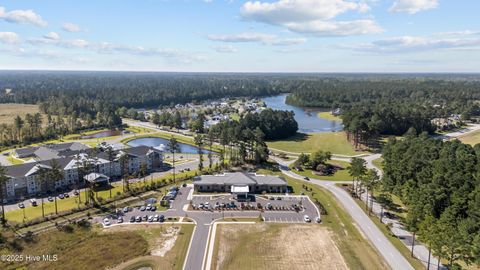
438, 182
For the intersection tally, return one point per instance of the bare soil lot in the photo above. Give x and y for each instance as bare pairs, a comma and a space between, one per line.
9, 110
276, 246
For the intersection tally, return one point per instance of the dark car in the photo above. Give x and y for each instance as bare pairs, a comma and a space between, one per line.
50, 198
154, 208
66, 195
132, 219
307, 178
161, 218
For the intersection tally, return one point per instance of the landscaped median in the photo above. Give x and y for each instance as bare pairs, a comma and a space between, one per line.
341, 174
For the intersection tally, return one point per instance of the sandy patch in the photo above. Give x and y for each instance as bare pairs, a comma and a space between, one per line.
165, 242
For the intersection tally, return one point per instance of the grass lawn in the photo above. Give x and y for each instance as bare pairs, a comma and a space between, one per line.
8, 111
172, 259
357, 252
335, 142
329, 116
340, 175
471, 138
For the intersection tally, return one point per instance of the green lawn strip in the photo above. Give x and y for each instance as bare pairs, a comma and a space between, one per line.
340, 175
13, 160
329, 116
334, 142
417, 264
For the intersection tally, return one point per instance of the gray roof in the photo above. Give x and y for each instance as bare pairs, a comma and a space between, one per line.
239, 178
50, 151
44, 153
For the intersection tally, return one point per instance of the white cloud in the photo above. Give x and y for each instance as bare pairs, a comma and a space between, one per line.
225, 49
52, 36
74, 43
22, 16
285, 11
311, 16
71, 27
265, 39
9, 37
413, 6
402, 44
336, 28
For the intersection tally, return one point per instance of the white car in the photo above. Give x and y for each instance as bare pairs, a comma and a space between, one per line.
318, 220
120, 220
306, 218
150, 219
106, 222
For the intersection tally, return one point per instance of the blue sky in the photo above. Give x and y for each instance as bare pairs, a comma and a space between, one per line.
241, 36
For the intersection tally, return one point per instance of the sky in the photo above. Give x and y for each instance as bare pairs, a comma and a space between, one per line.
241, 36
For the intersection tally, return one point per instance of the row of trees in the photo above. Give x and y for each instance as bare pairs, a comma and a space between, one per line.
317, 161
438, 182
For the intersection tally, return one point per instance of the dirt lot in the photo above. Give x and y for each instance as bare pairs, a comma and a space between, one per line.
276, 246
9, 111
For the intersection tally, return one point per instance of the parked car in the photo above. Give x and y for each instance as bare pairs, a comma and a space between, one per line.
142, 208
149, 207
154, 208
150, 218
61, 196
33, 202
306, 178
76, 192
306, 218
161, 218
125, 209
21, 205
50, 198
138, 219
119, 220
318, 220
132, 219
106, 222
66, 195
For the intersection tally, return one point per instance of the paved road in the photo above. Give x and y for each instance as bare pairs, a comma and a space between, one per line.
391, 255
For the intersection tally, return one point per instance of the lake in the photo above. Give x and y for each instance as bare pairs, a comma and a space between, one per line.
307, 118
154, 142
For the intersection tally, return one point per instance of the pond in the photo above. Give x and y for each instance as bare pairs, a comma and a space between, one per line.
155, 142
307, 118
102, 134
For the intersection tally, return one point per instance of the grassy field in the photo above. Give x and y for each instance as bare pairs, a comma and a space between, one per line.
101, 248
9, 111
168, 247
471, 138
275, 246
340, 175
335, 142
357, 252
329, 116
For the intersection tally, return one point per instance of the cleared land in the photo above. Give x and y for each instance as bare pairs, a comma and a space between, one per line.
276, 246
329, 116
471, 138
335, 142
9, 110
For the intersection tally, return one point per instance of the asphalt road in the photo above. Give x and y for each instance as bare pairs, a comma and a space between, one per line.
391, 255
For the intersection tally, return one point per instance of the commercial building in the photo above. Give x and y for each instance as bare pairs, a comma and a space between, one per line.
240, 183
